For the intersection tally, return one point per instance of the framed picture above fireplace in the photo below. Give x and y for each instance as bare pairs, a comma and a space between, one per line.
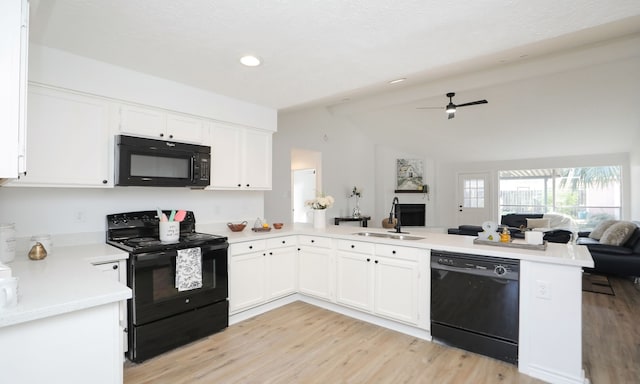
409, 175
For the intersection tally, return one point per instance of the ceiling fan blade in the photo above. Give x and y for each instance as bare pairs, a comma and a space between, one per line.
451, 115
473, 103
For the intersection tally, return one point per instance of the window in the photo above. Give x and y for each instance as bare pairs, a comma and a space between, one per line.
473, 193
585, 195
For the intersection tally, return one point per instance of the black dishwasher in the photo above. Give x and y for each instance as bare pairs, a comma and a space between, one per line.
475, 303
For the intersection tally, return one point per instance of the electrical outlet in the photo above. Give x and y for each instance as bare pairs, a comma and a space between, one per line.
543, 289
79, 217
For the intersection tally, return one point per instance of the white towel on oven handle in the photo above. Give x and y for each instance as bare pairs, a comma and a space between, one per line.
189, 269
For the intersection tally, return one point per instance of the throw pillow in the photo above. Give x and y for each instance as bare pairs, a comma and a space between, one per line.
537, 223
602, 226
618, 233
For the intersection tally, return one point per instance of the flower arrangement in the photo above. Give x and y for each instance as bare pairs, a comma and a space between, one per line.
320, 202
356, 192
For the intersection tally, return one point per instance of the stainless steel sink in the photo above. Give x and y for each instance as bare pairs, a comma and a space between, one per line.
395, 236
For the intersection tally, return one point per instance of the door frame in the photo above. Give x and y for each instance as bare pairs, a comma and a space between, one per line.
489, 197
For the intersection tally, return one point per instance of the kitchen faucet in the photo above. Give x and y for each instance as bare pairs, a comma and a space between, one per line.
395, 212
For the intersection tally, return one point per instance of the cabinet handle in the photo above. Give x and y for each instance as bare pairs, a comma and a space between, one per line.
368, 260
393, 252
115, 266
251, 247
248, 185
376, 261
270, 253
298, 249
283, 242
239, 185
352, 246
171, 136
162, 135
104, 181
313, 241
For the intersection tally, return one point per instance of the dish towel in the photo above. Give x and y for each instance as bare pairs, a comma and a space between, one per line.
189, 269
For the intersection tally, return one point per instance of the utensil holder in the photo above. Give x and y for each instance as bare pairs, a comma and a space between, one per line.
169, 231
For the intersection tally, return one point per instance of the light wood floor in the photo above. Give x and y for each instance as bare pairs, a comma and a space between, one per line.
301, 343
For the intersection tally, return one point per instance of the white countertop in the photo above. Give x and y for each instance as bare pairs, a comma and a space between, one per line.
556, 253
63, 282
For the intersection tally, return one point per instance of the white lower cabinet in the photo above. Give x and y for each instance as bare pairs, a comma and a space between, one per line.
117, 271
381, 279
260, 271
315, 266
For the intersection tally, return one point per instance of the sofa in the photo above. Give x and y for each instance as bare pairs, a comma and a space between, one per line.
623, 259
516, 222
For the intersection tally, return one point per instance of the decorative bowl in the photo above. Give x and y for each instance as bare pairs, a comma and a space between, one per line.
237, 227
277, 225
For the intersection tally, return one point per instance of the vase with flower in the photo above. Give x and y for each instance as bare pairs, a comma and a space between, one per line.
319, 206
357, 193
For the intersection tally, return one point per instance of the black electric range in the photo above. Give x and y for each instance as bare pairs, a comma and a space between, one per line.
162, 314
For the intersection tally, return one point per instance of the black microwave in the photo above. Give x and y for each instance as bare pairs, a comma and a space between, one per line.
158, 163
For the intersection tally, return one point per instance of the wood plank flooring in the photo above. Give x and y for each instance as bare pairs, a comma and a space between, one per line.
301, 343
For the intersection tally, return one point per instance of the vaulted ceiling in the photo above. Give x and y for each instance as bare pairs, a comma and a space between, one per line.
321, 52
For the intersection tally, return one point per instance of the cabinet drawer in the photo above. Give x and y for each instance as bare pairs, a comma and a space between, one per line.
246, 247
355, 246
412, 254
315, 241
280, 242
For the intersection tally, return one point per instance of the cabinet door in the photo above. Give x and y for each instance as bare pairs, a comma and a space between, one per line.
257, 159
184, 128
396, 289
246, 280
69, 140
225, 157
13, 65
143, 121
354, 280
117, 271
281, 272
314, 271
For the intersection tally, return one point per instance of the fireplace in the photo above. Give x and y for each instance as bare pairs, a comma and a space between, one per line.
412, 215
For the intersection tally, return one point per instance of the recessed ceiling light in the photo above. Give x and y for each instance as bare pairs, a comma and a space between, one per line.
250, 61
396, 81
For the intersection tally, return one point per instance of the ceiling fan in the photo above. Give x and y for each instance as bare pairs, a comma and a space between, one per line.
451, 108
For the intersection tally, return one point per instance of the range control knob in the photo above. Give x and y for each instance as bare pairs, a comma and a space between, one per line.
500, 270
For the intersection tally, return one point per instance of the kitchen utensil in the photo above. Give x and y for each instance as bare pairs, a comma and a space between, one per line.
163, 218
180, 215
172, 215
37, 252
237, 227
159, 213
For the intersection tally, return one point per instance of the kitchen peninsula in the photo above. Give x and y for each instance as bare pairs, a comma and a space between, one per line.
299, 263
550, 333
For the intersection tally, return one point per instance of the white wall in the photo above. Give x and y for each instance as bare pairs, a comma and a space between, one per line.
347, 161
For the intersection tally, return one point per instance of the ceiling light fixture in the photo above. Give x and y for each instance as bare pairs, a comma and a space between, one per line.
451, 108
250, 61
396, 81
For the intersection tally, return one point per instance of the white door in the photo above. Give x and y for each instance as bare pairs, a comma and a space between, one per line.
474, 198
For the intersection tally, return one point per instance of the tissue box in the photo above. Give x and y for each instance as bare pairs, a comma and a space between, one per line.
5, 272
534, 237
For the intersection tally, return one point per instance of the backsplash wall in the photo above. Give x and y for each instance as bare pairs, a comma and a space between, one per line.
78, 210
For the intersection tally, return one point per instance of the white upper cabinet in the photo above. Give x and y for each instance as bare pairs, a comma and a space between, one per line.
240, 158
69, 140
160, 124
14, 38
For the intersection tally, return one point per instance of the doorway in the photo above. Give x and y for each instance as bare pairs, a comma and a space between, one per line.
304, 188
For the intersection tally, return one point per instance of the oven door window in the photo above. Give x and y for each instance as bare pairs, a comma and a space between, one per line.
160, 166
154, 284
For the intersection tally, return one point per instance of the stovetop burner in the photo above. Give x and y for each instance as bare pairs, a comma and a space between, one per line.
137, 232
